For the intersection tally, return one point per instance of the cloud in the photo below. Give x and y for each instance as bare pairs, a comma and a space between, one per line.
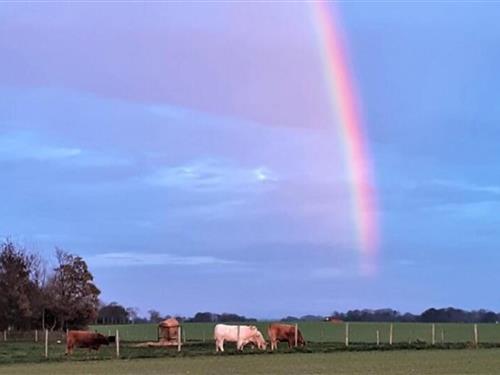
211, 175
328, 273
483, 210
131, 259
405, 262
168, 111
26, 145
465, 186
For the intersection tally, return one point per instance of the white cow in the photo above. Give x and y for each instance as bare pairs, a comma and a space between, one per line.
247, 334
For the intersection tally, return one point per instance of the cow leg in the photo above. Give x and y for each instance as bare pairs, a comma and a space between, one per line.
219, 345
241, 345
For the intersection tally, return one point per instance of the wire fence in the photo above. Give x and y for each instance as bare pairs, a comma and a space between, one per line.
197, 339
357, 332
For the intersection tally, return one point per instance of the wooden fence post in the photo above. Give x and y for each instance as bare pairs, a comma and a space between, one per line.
390, 334
179, 338
36, 335
117, 342
183, 336
46, 343
296, 334
378, 337
476, 338
347, 334
433, 334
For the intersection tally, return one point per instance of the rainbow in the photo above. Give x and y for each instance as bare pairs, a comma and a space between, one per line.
342, 92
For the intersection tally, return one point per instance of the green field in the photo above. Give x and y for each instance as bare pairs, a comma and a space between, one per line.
325, 347
328, 332
486, 361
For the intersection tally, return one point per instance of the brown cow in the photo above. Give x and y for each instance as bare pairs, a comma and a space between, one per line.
86, 339
284, 332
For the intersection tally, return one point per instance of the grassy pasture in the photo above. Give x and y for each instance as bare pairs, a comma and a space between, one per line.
485, 361
329, 332
323, 339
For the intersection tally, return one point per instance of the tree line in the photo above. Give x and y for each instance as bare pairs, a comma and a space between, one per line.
432, 315
31, 296
66, 296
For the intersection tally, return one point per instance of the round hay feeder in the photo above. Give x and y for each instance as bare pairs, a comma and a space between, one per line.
169, 330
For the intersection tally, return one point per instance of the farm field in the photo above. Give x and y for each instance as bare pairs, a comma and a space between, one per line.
486, 361
322, 338
328, 332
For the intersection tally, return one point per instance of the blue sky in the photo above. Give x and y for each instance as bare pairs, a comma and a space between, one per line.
188, 152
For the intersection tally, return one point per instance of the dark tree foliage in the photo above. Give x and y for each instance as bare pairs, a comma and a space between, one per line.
208, 317
133, 314
18, 289
451, 314
290, 319
113, 313
73, 298
432, 315
204, 317
155, 316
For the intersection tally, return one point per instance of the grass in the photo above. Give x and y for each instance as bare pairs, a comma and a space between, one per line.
485, 361
29, 352
323, 339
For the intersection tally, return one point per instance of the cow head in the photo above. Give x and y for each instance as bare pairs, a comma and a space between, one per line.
101, 339
258, 340
300, 340
111, 339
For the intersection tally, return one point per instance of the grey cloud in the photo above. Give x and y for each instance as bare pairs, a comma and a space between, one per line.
132, 259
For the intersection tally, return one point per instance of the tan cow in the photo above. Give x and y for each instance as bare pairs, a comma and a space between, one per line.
284, 333
246, 335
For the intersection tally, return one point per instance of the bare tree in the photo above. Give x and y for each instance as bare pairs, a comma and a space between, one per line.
74, 298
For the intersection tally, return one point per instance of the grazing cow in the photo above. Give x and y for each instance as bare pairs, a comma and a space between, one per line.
284, 333
86, 339
247, 334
